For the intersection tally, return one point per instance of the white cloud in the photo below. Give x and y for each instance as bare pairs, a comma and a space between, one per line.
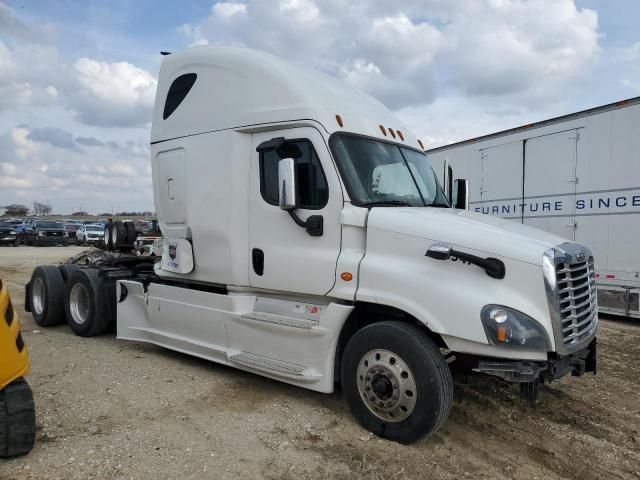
6, 64
37, 162
407, 53
8, 168
112, 94
514, 46
228, 9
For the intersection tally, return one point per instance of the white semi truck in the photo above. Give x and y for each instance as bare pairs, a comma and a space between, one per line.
307, 239
577, 176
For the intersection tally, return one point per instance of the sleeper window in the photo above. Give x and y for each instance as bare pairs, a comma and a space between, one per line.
177, 93
311, 183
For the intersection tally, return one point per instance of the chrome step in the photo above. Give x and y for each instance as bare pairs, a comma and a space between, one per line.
281, 320
272, 365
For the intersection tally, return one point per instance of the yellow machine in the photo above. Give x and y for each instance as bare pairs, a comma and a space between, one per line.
17, 412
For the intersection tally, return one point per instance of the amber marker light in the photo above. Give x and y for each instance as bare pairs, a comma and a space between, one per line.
421, 145
400, 135
393, 134
339, 120
383, 130
346, 276
502, 334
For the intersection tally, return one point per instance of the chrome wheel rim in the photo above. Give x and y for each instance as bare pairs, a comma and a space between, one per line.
386, 385
79, 303
38, 296
114, 236
106, 236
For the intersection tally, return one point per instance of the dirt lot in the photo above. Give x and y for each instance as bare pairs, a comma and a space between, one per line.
110, 409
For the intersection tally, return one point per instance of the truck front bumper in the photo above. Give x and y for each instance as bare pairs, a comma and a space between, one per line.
523, 371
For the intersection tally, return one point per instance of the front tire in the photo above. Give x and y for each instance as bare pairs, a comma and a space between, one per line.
396, 381
17, 419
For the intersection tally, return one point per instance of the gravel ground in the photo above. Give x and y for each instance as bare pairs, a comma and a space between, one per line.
110, 409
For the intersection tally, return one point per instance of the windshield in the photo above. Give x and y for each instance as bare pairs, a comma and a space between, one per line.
94, 228
50, 225
380, 173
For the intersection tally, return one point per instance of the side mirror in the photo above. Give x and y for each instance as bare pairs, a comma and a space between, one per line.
460, 194
287, 184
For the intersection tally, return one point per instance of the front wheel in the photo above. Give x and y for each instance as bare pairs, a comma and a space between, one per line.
396, 381
17, 419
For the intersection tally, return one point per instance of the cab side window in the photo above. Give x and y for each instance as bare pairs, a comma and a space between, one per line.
311, 183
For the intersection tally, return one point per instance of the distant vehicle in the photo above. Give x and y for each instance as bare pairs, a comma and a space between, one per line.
8, 234
72, 228
21, 227
90, 234
44, 232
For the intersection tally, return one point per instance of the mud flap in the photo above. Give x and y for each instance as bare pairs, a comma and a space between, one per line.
27, 297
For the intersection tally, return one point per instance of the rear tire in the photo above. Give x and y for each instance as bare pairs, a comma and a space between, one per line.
88, 312
118, 235
132, 234
108, 232
47, 294
66, 269
17, 419
396, 381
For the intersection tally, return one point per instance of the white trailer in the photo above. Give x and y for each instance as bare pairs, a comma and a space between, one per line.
577, 176
307, 239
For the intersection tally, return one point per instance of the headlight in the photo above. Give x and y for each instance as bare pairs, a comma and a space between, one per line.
507, 327
13, 232
41, 234
66, 234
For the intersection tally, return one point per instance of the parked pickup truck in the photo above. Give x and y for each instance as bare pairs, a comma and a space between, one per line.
307, 239
8, 234
46, 232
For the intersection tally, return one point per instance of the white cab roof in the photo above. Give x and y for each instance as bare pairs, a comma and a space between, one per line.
239, 87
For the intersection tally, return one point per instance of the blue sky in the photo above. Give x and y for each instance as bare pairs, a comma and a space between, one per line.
77, 79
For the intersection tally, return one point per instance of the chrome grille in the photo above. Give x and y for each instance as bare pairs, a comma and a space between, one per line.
577, 300
570, 282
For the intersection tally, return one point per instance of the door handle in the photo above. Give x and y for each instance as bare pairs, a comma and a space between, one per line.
170, 194
257, 260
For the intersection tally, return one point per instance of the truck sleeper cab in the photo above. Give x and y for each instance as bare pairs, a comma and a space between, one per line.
307, 239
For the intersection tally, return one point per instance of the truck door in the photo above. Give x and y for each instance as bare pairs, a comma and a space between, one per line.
501, 188
550, 182
282, 255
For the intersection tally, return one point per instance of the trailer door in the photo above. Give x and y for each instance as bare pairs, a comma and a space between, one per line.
550, 182
501, 187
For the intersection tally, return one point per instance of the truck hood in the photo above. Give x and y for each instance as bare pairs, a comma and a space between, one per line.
463, 229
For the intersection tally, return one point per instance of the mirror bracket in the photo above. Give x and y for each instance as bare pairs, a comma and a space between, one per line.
314, 224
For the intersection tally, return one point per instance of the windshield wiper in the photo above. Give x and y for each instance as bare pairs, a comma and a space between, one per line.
383, 203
